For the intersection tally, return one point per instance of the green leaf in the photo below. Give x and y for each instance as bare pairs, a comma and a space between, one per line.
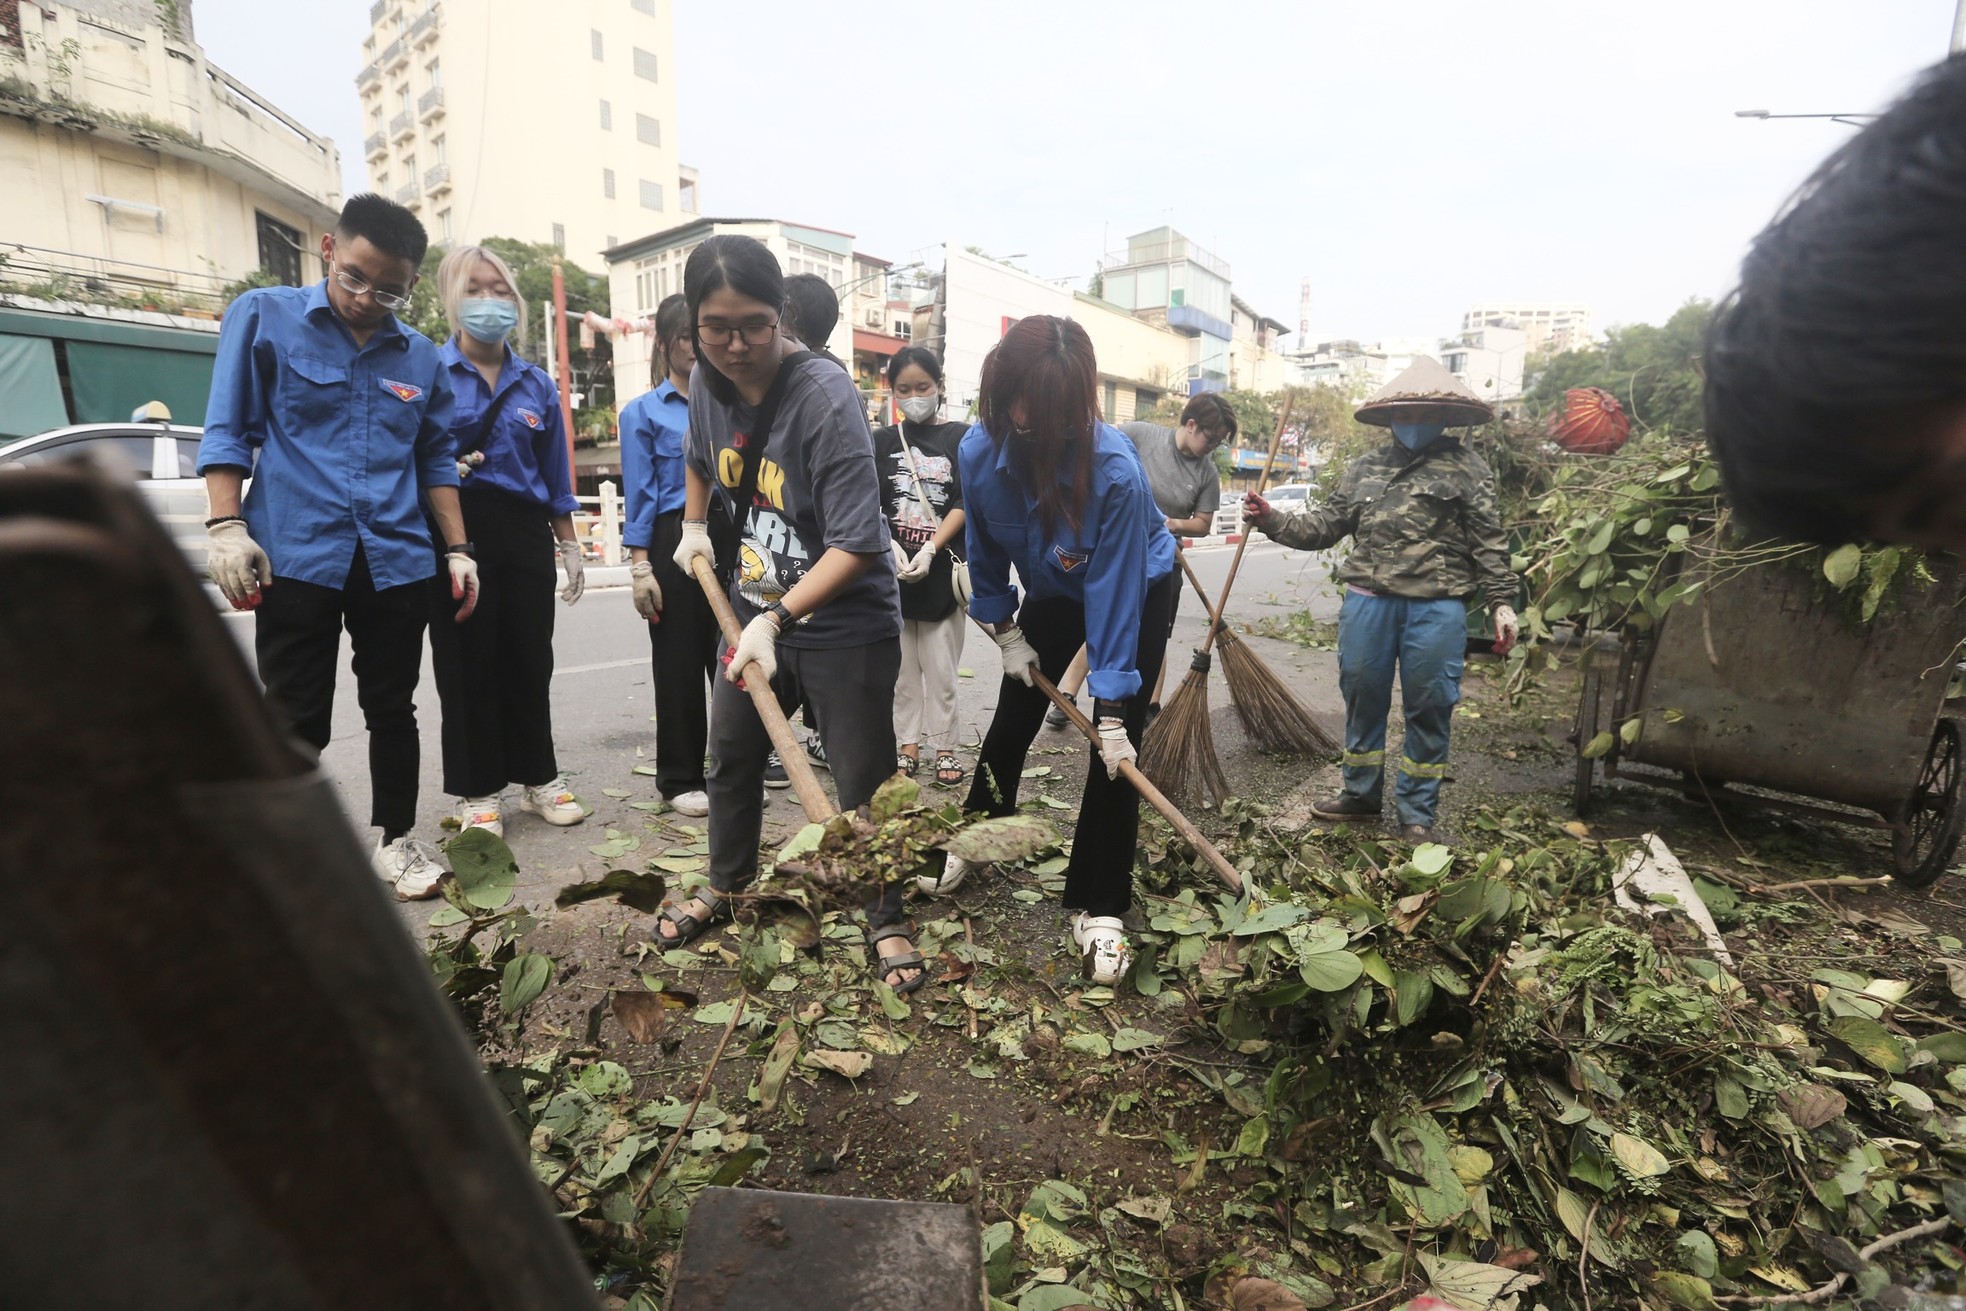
1254, 1138
1270, 919
1678, 532
1330, 971
1949, 1047
1842, 565
1598, 746
895, 798
1053, 1297
1629, 731
1683, 1290
618, 844
606, 1079
1638, 1158
1133, 1040
1006, 838
1091, 1044
1698, 1254
485, 870
805, 841
525, 977
1873, 1043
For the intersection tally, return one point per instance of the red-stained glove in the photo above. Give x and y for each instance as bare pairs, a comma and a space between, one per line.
1507, 629
1255, 508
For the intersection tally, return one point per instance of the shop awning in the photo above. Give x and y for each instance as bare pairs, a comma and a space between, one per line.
30, 388
874, 343
109, 382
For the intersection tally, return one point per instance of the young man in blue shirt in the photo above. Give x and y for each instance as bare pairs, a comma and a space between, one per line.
340, 416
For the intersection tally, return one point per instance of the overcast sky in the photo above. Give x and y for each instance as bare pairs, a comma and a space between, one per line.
1410, 157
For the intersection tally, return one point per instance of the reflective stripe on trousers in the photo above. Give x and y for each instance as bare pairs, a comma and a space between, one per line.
1424, 641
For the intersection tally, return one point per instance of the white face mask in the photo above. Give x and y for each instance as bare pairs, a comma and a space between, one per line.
921, 408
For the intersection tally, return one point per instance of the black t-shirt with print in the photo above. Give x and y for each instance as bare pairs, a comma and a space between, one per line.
929, 598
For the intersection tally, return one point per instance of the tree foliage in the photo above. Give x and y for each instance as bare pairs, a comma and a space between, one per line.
1653, 370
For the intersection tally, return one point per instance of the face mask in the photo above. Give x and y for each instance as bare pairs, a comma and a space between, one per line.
1418, 436
488, 318
921, 408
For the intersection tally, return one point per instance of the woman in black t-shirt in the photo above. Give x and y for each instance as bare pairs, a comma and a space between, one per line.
921, 494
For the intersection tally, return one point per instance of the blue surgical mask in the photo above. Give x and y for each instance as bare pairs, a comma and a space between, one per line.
1418, 436
488, 318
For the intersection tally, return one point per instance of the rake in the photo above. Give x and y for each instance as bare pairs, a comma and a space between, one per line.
1179, 751
1276, 721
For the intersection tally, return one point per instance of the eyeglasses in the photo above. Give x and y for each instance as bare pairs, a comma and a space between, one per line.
720, 334
354, 286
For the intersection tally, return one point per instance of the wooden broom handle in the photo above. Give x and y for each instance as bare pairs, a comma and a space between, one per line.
1222, 598
790, 752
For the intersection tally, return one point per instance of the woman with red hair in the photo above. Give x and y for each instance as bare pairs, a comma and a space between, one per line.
1060, 496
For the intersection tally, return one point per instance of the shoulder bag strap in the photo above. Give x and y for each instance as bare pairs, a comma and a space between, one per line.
747, 481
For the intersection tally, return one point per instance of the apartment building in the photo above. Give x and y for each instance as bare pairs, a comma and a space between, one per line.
1544, 324
1168, 279
500, 118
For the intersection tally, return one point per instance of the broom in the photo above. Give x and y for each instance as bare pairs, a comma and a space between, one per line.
1179, 751
1271, 714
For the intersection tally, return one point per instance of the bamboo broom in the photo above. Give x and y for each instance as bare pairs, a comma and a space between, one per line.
1179, 751
1271, 714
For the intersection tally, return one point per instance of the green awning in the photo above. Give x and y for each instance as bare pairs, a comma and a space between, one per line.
110, 383
30, 387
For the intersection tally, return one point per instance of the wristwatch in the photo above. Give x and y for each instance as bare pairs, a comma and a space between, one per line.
1102, 709
778, 611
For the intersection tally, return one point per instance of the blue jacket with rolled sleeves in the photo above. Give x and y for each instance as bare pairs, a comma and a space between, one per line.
1106, 564
526, 450
654, 427
341, 440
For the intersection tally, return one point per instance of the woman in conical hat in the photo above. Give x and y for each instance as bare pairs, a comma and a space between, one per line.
1425, 537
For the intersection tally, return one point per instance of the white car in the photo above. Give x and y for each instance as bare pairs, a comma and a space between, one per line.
1290, 496
162, 456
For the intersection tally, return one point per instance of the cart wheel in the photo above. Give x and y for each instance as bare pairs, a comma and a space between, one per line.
1580, 792
1927, 831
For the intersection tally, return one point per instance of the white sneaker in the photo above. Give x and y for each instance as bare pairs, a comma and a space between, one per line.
408, 866
952, 876
690, 803
1104, 956
553, 802
480, 812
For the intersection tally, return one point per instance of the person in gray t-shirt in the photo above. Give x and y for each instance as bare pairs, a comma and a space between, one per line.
1180, 466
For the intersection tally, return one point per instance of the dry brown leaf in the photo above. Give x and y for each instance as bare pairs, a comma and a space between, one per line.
1516, 1258
848, 1065
646, 1014
1810, 1105
1251, 1294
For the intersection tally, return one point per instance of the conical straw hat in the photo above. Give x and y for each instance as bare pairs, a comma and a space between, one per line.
1425, 393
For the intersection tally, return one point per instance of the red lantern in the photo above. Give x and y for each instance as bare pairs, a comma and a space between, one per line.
1591, 422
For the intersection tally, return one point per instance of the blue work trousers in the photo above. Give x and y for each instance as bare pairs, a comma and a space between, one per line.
1426, 640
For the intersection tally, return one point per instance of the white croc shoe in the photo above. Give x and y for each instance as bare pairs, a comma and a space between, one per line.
1104, 956
480, 812
408, 866
553, 802
953, 873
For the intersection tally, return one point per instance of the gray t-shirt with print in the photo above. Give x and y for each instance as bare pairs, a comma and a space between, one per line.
1183, 485
817, 489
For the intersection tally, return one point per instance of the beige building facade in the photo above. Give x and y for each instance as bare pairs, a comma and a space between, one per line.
137, 172
1544, 324
504, 118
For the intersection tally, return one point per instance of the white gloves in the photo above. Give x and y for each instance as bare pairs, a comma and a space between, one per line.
470, 463
576, 567
918, 567
464, 582
1019, 660
1507, 629
237, 564
1114, 746
900, 556
648, 592
695, 542
758, 642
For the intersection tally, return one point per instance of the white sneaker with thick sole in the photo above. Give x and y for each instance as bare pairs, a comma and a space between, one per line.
690, 803
553, 802
480, 812
408, 866
952, 876
1104, 956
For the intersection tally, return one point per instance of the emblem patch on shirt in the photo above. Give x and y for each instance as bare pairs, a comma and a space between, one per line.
402, 391
1068, 561
532, 420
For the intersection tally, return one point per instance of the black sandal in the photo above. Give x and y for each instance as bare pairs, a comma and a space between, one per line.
691, 927
949, 771
882, 966
906, 764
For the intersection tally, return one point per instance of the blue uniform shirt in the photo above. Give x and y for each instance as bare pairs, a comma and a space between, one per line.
347, 437
1105, 564
653, 428
526, 451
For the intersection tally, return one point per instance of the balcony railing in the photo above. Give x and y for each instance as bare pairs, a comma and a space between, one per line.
396, 55
437, 179
401, 126
377, 144
409, 193
430, 104
377, 10
424, 29
368, 79
93, 279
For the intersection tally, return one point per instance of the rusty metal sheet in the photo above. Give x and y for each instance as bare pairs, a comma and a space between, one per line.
1780, 688
747, 1249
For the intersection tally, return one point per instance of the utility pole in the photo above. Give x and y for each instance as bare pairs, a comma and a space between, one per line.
1958, 29
565, 367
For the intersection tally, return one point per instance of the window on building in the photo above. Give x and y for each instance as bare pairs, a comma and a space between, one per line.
811, 259
382, 184
904, 328
403, 97
651, 194
648, 130
607, 117
607, 185
444, 225
279, 249
645, 64
437, 151
560, 237
435, 72
686, 195
612, 243
595, 34
644, 7
1111, 409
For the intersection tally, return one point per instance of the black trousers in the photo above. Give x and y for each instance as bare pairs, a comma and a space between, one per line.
1099, 877
495, 670
683, 660
297, 638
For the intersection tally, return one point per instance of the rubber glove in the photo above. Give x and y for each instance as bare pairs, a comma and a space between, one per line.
1507, 629
1020, 661
464, 583
1255, 508
648, 592
237, 564
576, 567
758, 642
695, 542
900, 554
918, 567
1114, 746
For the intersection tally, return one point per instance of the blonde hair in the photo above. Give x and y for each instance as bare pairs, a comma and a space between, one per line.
454, 279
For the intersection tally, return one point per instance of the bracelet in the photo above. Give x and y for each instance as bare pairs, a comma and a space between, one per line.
461, 548
696, 523
1108, 710
218, 519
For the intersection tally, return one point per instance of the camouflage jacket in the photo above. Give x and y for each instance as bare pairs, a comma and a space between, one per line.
1424, 524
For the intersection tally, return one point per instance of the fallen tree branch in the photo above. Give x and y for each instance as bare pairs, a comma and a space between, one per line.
1829, 1290
1845, 882
702, 1087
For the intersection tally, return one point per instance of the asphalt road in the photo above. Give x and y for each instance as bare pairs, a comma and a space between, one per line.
602, 708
